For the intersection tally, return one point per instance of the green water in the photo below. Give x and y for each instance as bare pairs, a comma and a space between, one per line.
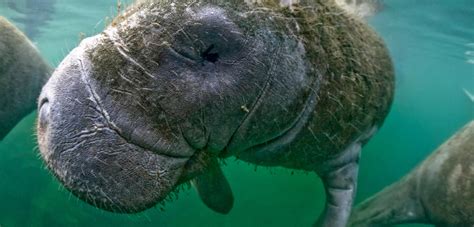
432, 44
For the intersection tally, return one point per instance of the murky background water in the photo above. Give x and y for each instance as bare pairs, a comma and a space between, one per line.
432, 45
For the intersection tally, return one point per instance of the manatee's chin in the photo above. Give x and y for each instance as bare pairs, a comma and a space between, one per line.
113, 175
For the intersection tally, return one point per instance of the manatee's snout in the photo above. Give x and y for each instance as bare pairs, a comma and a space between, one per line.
98, 156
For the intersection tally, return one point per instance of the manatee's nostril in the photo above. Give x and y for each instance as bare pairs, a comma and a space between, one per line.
43, 101
44, 109
208, 56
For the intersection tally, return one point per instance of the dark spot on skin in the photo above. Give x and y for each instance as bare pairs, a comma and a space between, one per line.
208, 56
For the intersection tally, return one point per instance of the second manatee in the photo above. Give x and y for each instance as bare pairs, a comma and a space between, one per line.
23, 72
439, 191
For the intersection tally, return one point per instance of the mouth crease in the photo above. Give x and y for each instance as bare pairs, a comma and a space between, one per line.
287, 135
247, 115
109, 124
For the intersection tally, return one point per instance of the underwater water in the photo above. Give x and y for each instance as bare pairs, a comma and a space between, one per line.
432, 46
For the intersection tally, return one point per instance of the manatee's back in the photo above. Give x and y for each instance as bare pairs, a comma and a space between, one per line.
22, 74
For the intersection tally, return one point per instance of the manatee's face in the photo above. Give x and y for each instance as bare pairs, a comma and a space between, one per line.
139, 109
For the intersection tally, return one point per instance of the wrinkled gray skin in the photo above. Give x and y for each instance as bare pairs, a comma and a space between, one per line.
170, 88
23, 72
440, 191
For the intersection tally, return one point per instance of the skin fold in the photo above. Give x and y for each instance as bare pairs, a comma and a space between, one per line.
23, 72
440, 191
172, 87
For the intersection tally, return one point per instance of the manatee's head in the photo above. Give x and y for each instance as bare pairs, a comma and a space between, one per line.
141, 108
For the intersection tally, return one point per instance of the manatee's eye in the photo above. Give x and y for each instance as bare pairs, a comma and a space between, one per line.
211, 44
209, 56
209, 37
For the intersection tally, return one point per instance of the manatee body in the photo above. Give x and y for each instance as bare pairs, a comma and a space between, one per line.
439, 191
23, 72
170, 88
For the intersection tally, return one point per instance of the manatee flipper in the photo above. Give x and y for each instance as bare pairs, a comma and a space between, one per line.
396, 204
23, 72
339, 177
213, 189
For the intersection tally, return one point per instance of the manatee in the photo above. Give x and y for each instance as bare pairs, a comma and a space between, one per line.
440, 191
23, 72
171, 88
